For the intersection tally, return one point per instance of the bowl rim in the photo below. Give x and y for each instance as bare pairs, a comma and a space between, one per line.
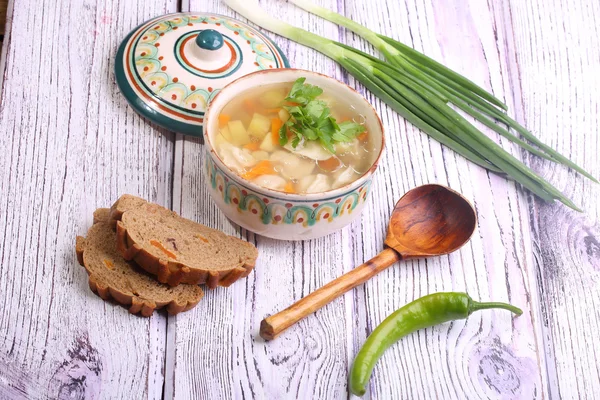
329, 194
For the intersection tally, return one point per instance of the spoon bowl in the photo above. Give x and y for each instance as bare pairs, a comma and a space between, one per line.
429, 220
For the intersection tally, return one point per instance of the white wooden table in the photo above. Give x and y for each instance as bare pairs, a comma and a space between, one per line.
69, 143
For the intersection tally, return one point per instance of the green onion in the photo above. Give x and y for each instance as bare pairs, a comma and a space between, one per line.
397, 53
406, 57
423, 92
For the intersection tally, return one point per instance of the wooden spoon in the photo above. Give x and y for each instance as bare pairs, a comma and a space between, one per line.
429, 220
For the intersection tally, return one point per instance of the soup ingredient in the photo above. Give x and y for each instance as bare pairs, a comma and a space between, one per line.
422, 313
276, 124
260, 155
274, 182
268, 143
224, 120
319, 184
283, 116
259, 126
220, 140
238, 133
348, 147
330, 164
289, 187
311, 120
309, 149
263, 167
249, 106
291, 166
272, 98
235, 157
304, 183
253, 148
344, 178
424, 91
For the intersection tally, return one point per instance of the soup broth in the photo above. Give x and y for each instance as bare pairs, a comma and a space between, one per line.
248, 142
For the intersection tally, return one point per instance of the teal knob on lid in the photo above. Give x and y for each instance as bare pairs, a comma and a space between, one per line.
209, 39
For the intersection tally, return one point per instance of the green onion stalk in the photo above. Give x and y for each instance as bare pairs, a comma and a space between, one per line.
422, 91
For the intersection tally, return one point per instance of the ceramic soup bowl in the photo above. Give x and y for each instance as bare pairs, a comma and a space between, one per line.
273, 213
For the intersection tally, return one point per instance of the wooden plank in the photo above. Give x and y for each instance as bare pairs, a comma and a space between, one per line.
214, 348
490, 355
70, 144
554, 72
6, 37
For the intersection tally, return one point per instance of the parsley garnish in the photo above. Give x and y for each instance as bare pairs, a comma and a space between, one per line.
310, 119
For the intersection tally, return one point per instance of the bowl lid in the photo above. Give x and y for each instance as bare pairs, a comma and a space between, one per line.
169, 68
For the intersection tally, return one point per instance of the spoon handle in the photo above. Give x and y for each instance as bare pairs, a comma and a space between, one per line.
272, 326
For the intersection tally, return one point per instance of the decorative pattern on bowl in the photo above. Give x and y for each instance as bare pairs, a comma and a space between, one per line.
275, 214
273, 210
168, 78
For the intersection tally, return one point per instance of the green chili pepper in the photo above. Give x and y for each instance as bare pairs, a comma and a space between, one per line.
422, 313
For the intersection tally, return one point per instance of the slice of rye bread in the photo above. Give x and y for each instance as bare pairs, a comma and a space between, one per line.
111, 277
124, 203
176, 249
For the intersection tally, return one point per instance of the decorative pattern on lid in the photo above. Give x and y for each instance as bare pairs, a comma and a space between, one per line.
169, 68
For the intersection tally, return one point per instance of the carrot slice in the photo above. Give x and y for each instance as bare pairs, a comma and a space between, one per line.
363, 136
289, 187
252, 146
331, 164
276, 125
249, 106
263, 167
205, 240
272, 110
223, 120
160, 246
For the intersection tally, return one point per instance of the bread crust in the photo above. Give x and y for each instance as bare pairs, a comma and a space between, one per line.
171, 272
174, 272
136, 305
123, 203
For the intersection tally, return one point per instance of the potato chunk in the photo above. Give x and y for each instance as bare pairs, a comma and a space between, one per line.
272, 98
259, 126
237, 131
